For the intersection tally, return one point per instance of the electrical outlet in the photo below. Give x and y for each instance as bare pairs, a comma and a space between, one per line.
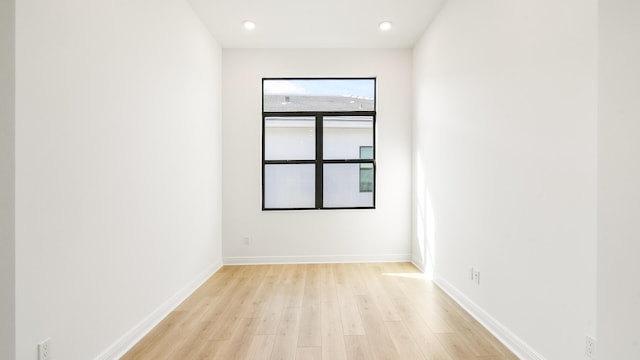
246, 240
590, 347
476, 276
44, 350
471, 273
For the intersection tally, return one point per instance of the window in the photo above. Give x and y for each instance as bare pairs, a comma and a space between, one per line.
318, 147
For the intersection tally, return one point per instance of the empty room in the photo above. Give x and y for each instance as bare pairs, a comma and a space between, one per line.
296, 179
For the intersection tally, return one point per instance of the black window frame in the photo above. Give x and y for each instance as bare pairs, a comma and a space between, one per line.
319, 160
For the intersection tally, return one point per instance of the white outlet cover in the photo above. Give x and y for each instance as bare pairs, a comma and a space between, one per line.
590, 347
44, 350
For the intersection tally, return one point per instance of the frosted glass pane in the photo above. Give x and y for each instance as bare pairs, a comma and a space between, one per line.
342, 186
344, 136
289, 186
290, 138
284, 95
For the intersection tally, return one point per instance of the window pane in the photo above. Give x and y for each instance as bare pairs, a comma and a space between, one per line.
366, 177
366, 152
344, 136
342, 186
290, 138
319, 95
289, 186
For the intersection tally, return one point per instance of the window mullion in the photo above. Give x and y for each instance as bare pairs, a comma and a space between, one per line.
319, 162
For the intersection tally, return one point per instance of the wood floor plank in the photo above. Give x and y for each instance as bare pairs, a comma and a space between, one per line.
456, 346
269, 318
196, 344
241, 339
171, 338
274, 303
426, 340
355, 279
349, 314
261, 347
379, 294
236, 304
328, 283
372, 319
422, 295
358, 347
309, 353
310, 326
156, 336
212, 350
286, 342
346, 296
333, 346
403, 341
310, 335
319, 311
476, 341
296, 283
477, 330
387, 276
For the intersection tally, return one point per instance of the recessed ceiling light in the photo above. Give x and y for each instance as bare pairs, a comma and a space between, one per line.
249, 25
385, 25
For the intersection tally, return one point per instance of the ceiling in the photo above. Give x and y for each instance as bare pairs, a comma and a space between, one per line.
317, 23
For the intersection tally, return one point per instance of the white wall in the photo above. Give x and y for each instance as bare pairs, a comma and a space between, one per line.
505, 149
7, 173
330, 235
618, 179
117, 169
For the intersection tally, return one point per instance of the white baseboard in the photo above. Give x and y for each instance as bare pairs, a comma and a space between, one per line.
255, 260
418, 264
508, 338
127, 341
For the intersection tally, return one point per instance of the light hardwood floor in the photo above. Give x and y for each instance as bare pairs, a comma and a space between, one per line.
319, 311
